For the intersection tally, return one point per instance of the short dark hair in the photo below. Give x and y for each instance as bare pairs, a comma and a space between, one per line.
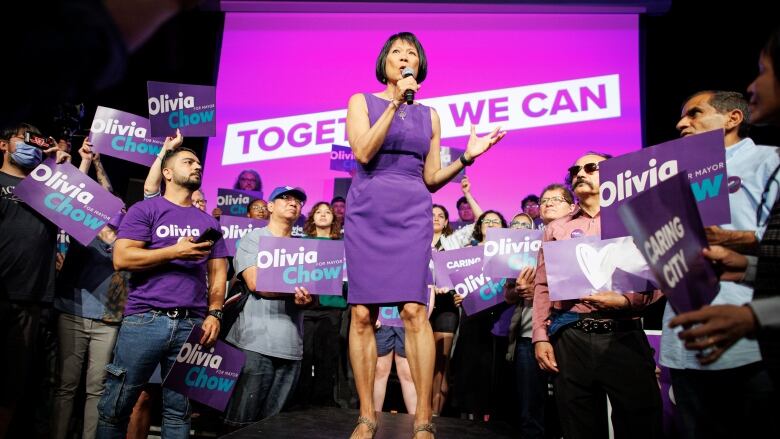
338, 198
477, 235
725, 101
772, 50
604, 155
422, 68
171, 153
530, 197
9, 131
461, 200
567, 195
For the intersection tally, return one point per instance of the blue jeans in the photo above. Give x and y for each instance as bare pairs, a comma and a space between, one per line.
265, 385
561, 320
144, 340
531, 390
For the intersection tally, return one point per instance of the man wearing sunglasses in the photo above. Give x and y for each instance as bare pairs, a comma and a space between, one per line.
595, 345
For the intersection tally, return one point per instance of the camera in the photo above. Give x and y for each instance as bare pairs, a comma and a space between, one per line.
67, 121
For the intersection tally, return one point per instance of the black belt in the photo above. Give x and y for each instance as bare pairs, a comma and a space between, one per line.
605, 326
174, 313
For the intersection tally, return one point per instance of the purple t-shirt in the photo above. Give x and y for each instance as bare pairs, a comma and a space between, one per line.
176, 284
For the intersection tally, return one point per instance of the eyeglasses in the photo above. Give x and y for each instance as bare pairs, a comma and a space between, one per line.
530, 205
520, 225
589, 168
203, 202
289, 198
258, 209
556, 200
493, 222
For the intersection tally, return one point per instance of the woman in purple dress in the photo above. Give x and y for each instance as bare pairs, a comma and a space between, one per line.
388, 227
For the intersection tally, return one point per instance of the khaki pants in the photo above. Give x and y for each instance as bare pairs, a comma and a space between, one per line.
81, 341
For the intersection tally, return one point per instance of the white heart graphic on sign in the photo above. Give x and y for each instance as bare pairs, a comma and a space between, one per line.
591, 263
598, 266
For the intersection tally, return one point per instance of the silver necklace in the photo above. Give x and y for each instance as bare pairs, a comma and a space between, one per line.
402, 111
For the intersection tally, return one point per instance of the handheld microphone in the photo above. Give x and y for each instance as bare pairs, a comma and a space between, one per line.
408, 94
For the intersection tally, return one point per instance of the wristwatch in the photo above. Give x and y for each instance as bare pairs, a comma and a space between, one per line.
466, 162
216, 313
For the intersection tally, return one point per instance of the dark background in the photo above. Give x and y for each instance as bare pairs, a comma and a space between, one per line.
691, 47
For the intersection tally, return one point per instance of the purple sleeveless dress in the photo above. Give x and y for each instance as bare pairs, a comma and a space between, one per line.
389, 227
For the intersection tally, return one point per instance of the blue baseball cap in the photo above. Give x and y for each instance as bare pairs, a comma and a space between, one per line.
294, 191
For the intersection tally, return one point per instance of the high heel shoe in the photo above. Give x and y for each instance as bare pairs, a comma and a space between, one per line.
371, 425
430, 427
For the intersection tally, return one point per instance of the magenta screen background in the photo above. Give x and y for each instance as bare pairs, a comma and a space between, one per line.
284, 64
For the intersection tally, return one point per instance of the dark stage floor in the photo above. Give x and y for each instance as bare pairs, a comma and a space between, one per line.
335, 423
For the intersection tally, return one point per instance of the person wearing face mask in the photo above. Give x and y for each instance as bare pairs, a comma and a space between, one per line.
28, 245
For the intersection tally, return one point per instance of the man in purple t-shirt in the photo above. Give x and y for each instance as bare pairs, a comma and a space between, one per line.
168, 294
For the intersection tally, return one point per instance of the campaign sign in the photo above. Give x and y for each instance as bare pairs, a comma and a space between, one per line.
124, 135
504, 322
190, 108
507, 251
69, 199
342, 159
669, 414
297, 228
449, 261
448, 155
390, 316
702, 155
235, 202
671, 240
235, 227
286, 263
582, 266
205, 375
481, 291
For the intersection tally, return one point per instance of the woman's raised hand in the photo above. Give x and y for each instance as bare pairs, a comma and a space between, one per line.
478, 145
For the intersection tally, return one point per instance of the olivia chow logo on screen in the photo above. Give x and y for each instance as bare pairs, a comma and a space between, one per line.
553, 103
